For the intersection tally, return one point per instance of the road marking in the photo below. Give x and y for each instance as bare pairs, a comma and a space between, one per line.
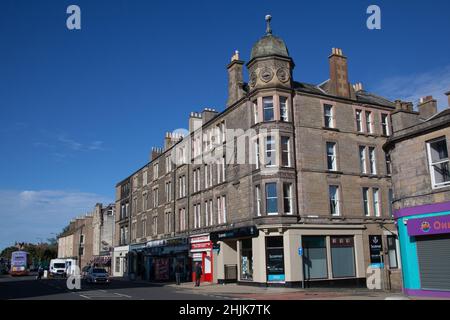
81, 295
123, 295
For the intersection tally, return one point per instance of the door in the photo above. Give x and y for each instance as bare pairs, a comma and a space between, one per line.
434, 262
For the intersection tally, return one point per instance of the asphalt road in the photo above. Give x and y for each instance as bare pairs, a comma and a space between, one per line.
55, 289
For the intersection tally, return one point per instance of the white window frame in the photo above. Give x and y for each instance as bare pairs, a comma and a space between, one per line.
435, 185
362, 159
333, 156
329, 124
369, 121
366, 202
273, 151
372, 160
288, 198
376, 202
288, 151
336, 200
258, 200
385, 125
270, 198
359, 120
284, 109
264, 108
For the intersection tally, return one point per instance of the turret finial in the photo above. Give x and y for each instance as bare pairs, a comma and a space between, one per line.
268, 29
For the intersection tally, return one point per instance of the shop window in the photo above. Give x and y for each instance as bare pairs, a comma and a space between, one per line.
315, 257
343, 257
275, 259
246, 260
392, 251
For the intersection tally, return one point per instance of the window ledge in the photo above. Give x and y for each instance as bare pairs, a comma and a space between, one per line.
331, 129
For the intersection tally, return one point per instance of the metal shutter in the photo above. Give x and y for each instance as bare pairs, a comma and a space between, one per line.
434, 262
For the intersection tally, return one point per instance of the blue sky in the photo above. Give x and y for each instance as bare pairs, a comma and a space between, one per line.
80, 110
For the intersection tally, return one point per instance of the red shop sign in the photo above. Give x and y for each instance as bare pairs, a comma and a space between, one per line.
201, 245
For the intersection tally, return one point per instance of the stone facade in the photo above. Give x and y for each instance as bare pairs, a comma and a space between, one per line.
294, 115
421, 182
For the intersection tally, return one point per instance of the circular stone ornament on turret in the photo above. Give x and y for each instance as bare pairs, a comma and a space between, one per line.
283, 75
266, 74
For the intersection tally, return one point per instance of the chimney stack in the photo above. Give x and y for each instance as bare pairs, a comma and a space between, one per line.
195, 121
208, 114
404, 116
427, 107
171, 139
156, 152
235, 79
448, 98
358, 87
339, 85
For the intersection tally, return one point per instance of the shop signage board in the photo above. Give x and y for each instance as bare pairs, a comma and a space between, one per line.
428, 225
375, 248
201, 245
234, 233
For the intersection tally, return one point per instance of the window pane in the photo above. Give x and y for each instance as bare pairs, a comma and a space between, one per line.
331, 156
285, 151
438, 150
270, 151
342, 257
287, 196
362, 159
392, 252
315, 258
271, 198
283, 109
334, 199
328, 114
268, 108
441, 172
366, 201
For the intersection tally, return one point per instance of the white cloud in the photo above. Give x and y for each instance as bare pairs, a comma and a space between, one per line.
28, 215
412, 87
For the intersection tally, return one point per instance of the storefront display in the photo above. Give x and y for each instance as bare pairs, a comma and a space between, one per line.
246, 260
275, 259
315, 257
201, 252
343, 257
424, 235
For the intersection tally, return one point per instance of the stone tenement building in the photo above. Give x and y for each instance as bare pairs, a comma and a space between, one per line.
314, 204
89, 238
421, 181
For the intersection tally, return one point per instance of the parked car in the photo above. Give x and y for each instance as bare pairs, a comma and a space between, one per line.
85, 271
97, 275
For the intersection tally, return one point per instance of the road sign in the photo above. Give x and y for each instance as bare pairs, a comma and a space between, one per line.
300, 251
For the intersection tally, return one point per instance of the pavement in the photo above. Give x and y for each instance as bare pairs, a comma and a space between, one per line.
124, 289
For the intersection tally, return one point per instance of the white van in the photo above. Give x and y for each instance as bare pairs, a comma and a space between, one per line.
71, 265
57, 268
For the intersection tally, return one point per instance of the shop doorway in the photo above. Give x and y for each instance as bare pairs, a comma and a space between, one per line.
434, 262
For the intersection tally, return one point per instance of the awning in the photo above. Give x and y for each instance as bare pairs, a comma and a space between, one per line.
102, 261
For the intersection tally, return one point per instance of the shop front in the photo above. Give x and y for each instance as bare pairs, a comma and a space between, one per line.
120, 261
201, 252
136, 265
424, 234
161, 258
234, 252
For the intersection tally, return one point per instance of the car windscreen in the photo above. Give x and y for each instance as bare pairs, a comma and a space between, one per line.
99, 271
59, 265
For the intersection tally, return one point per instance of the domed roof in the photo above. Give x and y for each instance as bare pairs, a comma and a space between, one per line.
269, 44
